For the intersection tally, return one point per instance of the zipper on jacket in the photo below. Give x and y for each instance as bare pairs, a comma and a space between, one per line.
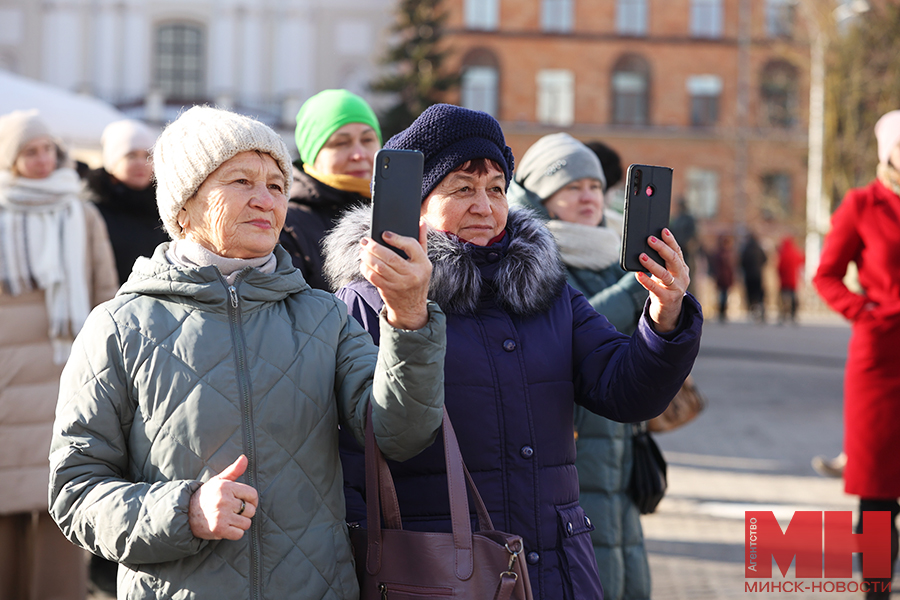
240, 352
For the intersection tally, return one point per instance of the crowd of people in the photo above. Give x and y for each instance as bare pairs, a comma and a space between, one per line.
196, 332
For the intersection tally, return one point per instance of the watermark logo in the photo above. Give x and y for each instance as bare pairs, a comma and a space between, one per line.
823, 544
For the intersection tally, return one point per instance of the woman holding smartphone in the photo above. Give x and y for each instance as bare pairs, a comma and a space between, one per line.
523, 349
337, 136
563, 181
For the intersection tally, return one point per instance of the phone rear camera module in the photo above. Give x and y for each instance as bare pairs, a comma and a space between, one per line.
650, 191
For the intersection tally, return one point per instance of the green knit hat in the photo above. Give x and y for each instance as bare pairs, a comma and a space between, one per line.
325, 113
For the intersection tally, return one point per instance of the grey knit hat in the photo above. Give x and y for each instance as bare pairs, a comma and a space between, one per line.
195, 144
555, 161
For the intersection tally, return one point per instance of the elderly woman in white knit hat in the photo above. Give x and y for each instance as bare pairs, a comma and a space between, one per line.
196, 433
55, 264
864, 230
122, 188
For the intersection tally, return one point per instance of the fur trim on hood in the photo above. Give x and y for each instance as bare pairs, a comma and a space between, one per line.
528, 278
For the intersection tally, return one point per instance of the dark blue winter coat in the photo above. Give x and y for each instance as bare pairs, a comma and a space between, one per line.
523, 348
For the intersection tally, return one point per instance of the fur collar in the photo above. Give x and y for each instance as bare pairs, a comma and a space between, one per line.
526, 280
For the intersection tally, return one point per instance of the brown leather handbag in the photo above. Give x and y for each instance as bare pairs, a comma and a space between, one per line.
684, 408
394, 563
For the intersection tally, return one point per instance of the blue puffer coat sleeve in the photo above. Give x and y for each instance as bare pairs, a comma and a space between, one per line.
652, 367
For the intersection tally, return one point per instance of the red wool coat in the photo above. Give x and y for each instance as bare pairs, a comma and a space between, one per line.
866, 230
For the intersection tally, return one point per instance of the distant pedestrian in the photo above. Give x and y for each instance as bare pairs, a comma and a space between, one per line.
722, 267
866, 230
790, 261
124, 192
337, 136
684, 227
753, 259
55, 265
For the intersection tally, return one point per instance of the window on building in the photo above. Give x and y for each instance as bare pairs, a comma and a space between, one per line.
180, 61
702, 192
704, 91
631, 91
556, 97
778, 92
556, 15
706, 18
777, 201
479, 89
780, 18
631, 17
482, 14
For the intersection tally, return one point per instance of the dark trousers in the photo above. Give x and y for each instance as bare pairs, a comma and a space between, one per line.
868, 504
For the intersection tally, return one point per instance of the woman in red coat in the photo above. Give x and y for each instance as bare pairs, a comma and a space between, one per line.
865, 230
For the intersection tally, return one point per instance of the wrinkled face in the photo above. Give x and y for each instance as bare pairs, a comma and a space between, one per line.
349, 151
134, 170
239, 210
581, 201
471, 206
37, 159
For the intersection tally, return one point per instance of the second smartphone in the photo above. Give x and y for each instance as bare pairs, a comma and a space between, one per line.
396, 194
648, 195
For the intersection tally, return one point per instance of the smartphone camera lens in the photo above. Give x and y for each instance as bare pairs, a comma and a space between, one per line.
387, 161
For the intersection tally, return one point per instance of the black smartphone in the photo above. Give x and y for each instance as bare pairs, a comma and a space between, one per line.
648, 194
396, 194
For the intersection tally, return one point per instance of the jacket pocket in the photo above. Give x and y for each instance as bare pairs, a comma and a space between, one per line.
580, 575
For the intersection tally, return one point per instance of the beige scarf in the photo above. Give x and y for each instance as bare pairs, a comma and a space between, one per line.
890, 177
43, 246
585, 247
347, 183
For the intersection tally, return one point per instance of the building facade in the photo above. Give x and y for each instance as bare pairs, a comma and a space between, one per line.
717, 89
152, 57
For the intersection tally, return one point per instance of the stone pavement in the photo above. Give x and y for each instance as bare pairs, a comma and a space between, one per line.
775, 401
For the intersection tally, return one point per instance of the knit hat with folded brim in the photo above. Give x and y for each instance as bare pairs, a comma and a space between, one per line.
120, 138
17, 129
195, 145
887, 132
555, 161
450, 136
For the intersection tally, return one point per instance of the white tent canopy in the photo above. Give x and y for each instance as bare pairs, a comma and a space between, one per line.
76, 119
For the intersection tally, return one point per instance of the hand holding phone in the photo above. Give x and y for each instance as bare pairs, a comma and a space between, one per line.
648, 195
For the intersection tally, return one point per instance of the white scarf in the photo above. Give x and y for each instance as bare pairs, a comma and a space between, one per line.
585, 247
43, 246
191, 255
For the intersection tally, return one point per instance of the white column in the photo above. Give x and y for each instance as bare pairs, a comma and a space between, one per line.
107, 52
251, 58
136, 52
63, 58
816, 213
295, 57
222, 48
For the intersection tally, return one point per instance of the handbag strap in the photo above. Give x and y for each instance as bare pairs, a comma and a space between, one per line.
384, 500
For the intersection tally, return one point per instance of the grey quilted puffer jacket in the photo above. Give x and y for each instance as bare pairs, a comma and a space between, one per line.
172, 380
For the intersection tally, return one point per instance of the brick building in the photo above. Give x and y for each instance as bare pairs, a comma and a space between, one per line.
717, 89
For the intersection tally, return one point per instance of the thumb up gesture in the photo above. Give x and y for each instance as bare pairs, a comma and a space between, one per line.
222, 508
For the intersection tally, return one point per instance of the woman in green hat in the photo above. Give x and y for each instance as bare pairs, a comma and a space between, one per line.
337, 136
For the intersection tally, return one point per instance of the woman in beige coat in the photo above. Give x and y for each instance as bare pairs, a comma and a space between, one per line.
56, 263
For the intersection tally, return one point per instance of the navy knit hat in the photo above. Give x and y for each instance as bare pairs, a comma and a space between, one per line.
450, 136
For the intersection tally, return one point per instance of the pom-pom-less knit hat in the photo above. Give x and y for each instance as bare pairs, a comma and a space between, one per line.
887, 132
17, 129
555, 161
326, 112
450, 136
195, 144
123, 137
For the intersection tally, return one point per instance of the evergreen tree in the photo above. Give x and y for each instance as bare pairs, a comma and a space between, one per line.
416, 60
862, 83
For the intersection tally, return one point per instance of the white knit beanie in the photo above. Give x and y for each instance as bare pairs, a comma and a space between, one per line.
887, 132
17, 129
122, 137
195, 144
